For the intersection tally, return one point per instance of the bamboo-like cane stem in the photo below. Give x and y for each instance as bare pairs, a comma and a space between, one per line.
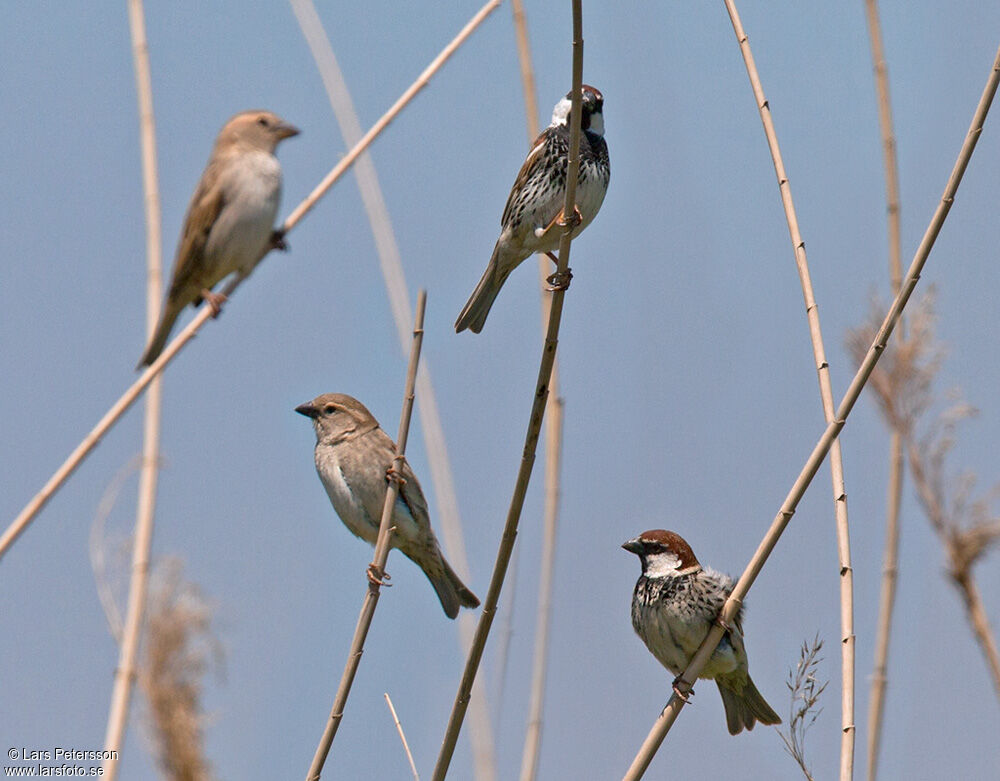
20, 523
422, 80
450, 523
846, 572
125, 673
890, 560
815, 460
534, 425
886, 601
381, 554
402, 737
553, 452
543, 619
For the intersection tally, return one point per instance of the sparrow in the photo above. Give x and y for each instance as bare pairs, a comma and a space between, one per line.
674, 605
354, 458
530, 221
229, 224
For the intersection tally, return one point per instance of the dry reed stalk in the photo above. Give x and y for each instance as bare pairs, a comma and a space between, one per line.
534, 425
81, 451
553, 453
121, 693
102, 580
377, 568
543, 620
815, 460
450, 523
847, 639
890, 562
402, 737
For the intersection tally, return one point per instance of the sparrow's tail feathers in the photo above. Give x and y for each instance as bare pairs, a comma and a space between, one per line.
167, 318
744, 705
465, 596
474, 314
451, 591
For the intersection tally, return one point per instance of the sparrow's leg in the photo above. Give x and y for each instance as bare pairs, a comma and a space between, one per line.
558, 221
278, 240
214, 301
684, 696
720, 622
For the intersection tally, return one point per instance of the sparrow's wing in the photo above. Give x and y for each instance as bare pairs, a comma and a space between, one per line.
413, 497
531, 178
375, 451
206, 204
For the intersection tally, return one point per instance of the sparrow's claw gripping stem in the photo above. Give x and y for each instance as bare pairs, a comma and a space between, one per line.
214, 301
559, 280
573, 221
683, 696
378, 577
391, 473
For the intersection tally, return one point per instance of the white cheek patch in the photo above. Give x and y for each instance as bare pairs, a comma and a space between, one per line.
597, 124
662, 564
561, 111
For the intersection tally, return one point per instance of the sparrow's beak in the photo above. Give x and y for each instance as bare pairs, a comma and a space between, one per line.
308, 410
284, 130
633, 546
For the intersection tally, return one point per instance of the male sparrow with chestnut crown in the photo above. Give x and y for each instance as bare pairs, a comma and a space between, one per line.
674, 605
353, 456
530, 221
229, 225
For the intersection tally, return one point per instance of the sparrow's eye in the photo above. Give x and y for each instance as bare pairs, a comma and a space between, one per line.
262, 121
329, 409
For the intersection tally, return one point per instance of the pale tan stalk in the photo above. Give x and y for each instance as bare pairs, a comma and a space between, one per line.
886, 602
815, 460
531, 122
102, 581
890, 561
25, 517
481, 730
377, 567
826, 395
402, 735
535, 422
422, 80
543, 620
125, 673
553, 451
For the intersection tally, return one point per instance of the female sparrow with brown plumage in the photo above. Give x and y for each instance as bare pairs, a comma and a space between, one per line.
674, 605
229, 225
530, 221
352, 458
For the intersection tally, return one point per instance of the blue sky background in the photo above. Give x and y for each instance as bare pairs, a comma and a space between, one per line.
691, 399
